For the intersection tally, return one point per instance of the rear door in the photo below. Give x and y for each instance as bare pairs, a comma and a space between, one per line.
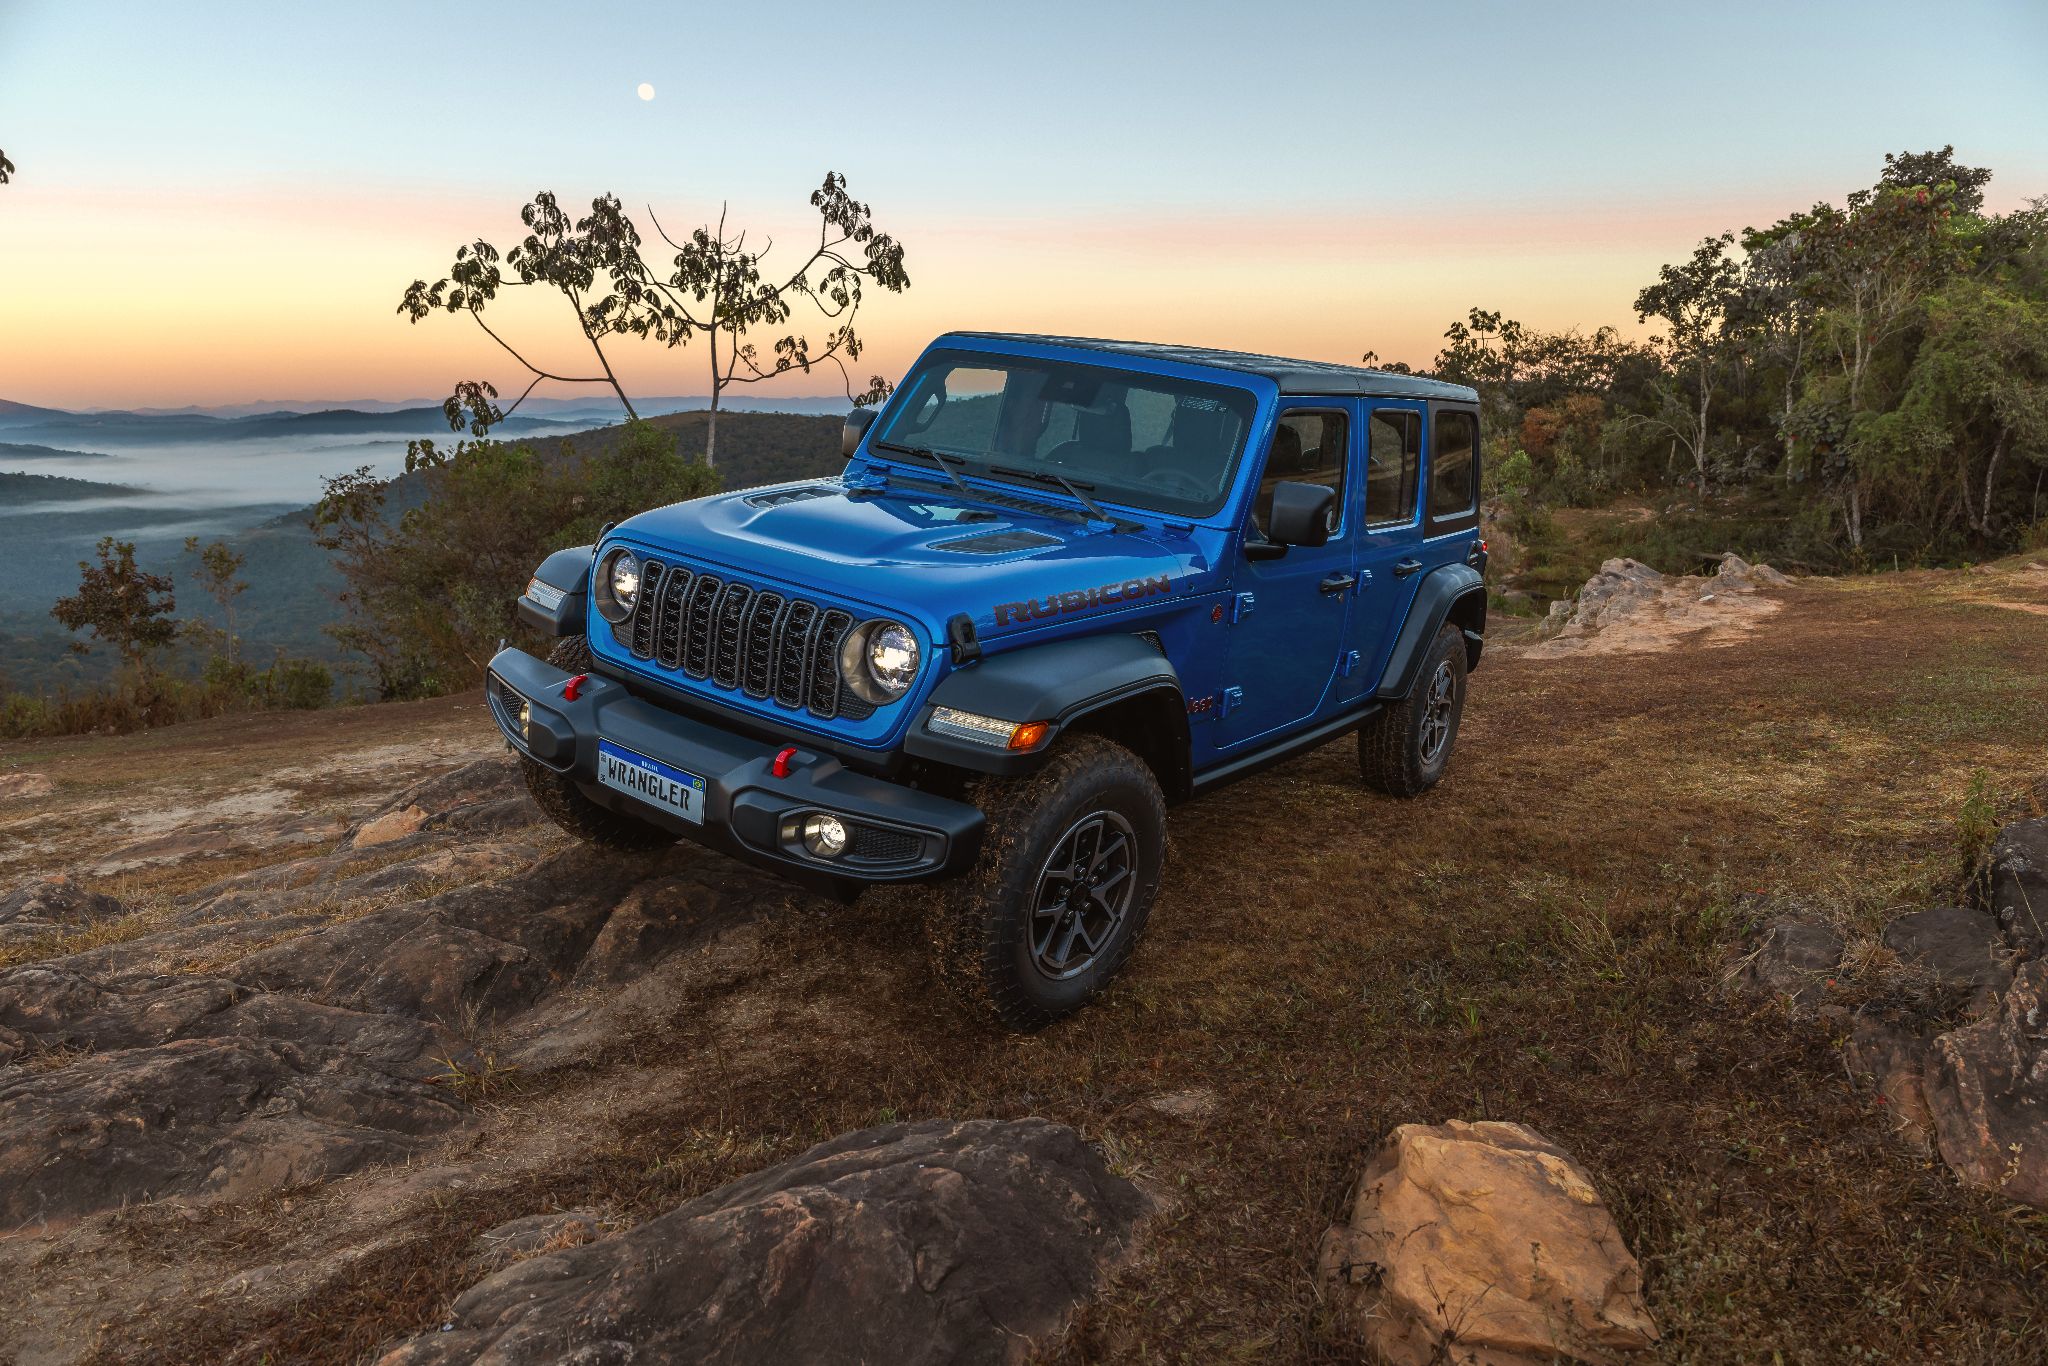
1292, 611
1390, 543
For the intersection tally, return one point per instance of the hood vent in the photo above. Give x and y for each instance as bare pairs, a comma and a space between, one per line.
776, 498
998, 542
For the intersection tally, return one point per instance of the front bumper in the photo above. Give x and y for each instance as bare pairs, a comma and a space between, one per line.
899, 833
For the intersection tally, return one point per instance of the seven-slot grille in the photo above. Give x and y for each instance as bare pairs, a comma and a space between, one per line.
753, 640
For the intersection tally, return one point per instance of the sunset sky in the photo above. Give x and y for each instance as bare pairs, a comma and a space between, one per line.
223, 202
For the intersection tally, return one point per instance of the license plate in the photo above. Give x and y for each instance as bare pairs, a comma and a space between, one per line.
651, 780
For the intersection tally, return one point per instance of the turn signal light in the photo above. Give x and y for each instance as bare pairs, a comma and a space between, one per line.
1030, 735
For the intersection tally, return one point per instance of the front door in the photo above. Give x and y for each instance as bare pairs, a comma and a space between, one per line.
1291, 610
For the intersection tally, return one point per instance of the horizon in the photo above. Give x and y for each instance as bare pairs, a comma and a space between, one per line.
255, 156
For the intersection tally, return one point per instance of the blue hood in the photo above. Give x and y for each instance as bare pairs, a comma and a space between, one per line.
921, 554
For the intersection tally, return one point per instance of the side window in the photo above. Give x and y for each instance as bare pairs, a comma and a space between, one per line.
1451, 466
1308, 448
1392, 463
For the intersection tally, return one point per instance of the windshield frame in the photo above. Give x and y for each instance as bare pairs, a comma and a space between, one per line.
1240, 395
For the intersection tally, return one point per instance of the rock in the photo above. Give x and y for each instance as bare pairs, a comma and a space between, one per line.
1987, 1091
912, 1243
2014, 885
21, 786
1959, 947
222, 1118
535, 1234
384, 829
1791, 958
1893, 1058
1482, 1243
1736, 574
1197, 1102
1621, 587
53, 905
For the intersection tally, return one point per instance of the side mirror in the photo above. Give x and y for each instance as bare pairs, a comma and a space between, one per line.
1301, 514
857, 423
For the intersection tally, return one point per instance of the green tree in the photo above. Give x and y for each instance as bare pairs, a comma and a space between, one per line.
1693, 298
122, 605
714, 286
215, 574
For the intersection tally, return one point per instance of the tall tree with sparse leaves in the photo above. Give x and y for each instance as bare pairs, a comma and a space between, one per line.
1692, 300
714, 286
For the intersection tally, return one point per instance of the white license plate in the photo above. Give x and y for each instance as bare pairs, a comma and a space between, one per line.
651, 780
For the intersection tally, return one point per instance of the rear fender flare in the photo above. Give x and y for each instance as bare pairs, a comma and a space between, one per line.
1452, 592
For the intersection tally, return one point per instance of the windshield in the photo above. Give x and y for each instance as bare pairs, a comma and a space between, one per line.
1167, 445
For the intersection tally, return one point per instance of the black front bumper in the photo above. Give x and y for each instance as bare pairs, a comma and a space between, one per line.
899, 834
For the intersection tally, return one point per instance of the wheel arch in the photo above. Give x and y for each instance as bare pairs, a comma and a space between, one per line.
1454, 593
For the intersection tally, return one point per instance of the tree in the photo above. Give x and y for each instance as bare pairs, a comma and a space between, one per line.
1773, 312
215, 575
1692, 299
121, 604
1936, 170
6, 168
714, 286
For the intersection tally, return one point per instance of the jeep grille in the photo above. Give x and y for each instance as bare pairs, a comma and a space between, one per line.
752, 640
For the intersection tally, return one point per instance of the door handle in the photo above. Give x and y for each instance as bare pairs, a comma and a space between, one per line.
1406, 567
1337, 583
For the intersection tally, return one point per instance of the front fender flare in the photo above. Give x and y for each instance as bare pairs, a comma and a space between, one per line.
567, 571
1060, 682
1449, 589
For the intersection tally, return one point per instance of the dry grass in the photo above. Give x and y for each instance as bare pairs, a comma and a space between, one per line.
1541, 939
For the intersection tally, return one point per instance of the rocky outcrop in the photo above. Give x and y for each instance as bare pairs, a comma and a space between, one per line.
477, 798
22, 786
1482, 1243
2014, 885
930, 1242
1630, 608
53, 905
1958, 949
1987, 1093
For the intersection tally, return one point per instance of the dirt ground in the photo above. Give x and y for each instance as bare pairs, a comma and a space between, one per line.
1542, 939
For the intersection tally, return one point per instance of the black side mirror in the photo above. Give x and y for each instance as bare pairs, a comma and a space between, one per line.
857, 423
1301, 514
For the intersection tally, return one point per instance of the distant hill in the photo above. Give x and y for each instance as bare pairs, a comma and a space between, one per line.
49, 488
144, 429
12, 451
20, 414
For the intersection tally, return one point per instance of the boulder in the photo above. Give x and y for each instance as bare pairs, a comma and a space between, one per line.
1622, 587
1791, 958
2014, 885
53, 905
1957, 945
479, 797
1892, 1057
1482, 1243
1987, 1092
393, 825
912, 1243
21, 786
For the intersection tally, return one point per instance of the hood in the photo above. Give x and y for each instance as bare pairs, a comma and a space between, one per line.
907, 546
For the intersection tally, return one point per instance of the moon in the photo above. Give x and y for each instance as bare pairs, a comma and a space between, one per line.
646, 91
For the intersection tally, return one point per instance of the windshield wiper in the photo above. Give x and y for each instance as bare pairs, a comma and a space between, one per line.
1073, 487
944, 460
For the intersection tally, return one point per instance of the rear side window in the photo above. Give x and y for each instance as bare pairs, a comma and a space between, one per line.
1452, 463
1308, 448
1392, 463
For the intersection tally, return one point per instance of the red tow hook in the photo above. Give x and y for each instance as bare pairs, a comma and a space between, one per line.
574, 687
781, 769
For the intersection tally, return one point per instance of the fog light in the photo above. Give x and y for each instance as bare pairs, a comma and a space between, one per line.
824, 836
525, 718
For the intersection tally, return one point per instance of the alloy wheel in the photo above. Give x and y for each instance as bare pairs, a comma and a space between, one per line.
1084, 892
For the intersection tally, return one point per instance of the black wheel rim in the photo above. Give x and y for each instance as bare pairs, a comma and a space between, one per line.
1437, 705
1084, 892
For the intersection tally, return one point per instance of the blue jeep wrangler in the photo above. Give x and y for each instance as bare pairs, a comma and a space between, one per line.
1060, 585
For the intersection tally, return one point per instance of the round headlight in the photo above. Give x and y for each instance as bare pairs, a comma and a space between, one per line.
892, 658
618, 585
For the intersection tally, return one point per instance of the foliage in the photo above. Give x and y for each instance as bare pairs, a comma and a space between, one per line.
217, 567
6, 169
122, 605
714, 286
430, 596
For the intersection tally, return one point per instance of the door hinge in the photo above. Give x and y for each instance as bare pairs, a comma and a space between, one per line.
1243, 607
1233, 698
1349, 665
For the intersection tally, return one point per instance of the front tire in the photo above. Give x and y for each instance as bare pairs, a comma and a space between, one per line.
1068, 871
564, 803
1405, 748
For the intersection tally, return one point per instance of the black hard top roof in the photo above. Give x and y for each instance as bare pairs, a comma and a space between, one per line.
1293, 376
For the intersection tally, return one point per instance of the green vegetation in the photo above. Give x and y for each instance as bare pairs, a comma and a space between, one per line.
1851, 388
50, 488
430, 594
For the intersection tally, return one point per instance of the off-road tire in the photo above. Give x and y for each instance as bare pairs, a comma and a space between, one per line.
1400, 752
981, 924
564, 804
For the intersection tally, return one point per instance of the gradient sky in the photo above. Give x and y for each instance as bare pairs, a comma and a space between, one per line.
223, 202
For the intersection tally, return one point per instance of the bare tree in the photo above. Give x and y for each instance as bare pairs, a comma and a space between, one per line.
714, 285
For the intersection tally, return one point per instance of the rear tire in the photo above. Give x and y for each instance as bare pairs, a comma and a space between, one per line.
1068, 871
564, 803
1404, 749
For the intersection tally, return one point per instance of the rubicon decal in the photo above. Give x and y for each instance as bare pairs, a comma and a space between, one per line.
1083, 600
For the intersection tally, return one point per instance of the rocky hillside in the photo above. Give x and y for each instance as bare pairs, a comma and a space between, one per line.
316, 1045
